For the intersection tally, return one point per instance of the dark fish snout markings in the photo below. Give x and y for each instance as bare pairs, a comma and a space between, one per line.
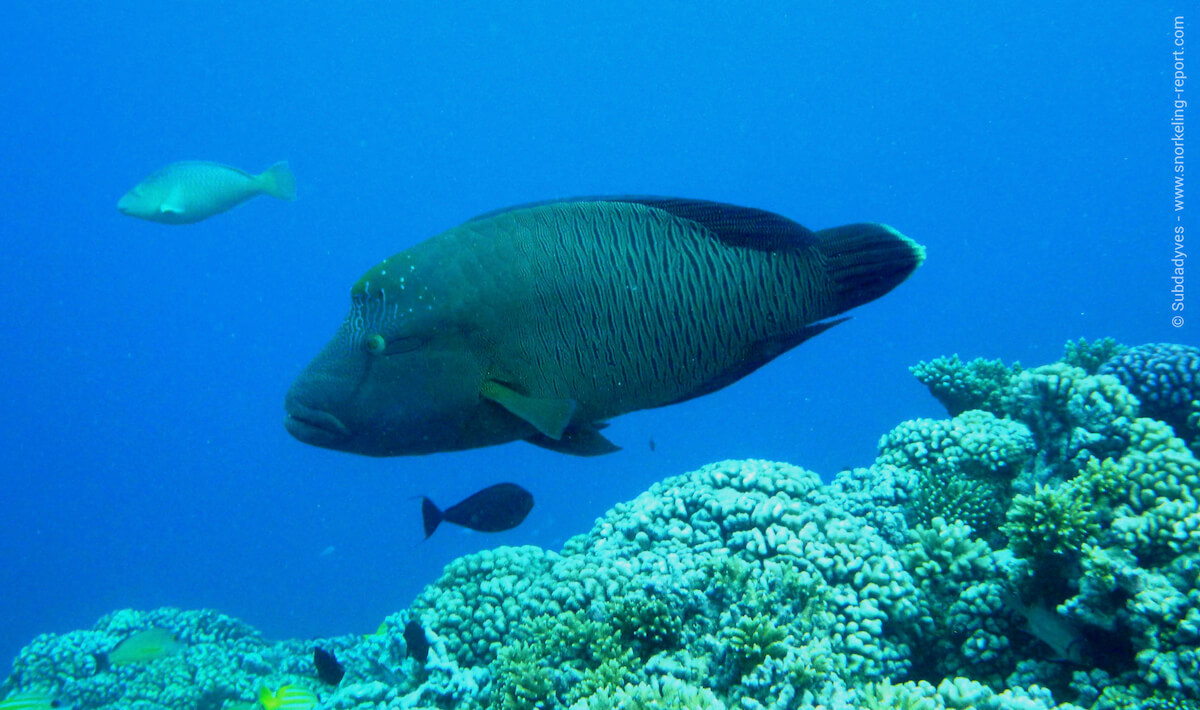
541, 322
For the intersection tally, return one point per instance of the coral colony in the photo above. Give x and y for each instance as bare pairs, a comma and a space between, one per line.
1039, 549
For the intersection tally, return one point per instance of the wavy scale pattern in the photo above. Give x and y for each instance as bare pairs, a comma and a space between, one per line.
628, 306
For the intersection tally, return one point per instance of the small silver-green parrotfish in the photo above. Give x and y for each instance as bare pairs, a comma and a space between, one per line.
191, 191
541, 322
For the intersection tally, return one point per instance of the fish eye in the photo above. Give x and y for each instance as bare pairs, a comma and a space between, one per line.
375, 344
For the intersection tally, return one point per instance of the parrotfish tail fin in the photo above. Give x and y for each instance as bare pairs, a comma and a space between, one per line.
278, 181
865, 261
431, 515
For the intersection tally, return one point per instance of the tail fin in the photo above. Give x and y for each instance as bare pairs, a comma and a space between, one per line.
278, 181
269, 700
431, 515
867, 260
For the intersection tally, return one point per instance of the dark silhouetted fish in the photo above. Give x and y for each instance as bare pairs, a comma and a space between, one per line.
541, 322
495, 508
418, 645
328, 668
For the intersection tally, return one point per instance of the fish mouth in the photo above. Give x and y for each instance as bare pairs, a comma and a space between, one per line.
315, 426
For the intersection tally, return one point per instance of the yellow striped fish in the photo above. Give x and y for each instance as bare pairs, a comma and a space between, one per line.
29, 700
287, 697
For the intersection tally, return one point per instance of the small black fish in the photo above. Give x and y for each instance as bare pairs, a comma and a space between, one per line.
418, 645
652, 443
328, 668
495, 508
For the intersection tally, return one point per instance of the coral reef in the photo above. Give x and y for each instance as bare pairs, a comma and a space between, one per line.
1090, 356
963, 386
1040, 549
1165, 378
963, 468
1074, 416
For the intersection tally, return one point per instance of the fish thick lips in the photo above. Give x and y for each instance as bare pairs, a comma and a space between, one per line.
302, 420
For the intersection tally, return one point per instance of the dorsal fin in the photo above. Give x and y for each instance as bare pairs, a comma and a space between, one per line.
738, 226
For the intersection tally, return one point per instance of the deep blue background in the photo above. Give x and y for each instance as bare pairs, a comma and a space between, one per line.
144, 366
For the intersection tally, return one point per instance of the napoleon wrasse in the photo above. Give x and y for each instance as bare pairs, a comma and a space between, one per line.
541, 322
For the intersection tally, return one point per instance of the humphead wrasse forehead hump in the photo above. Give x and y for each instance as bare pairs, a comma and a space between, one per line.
541, 322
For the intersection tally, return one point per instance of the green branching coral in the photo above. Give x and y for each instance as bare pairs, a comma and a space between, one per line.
1102, 483
964, 467
943, 556
523, 678
753, 640
650, 623
960, 387
554, 661
1089, 356
1052, 522
730, 575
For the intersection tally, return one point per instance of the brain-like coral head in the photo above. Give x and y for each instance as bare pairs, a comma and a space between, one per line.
1165, 377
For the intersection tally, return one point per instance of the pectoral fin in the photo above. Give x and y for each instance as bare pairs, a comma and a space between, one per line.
172, 202
549, 416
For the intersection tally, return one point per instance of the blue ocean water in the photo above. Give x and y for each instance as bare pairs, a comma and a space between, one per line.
144, 366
